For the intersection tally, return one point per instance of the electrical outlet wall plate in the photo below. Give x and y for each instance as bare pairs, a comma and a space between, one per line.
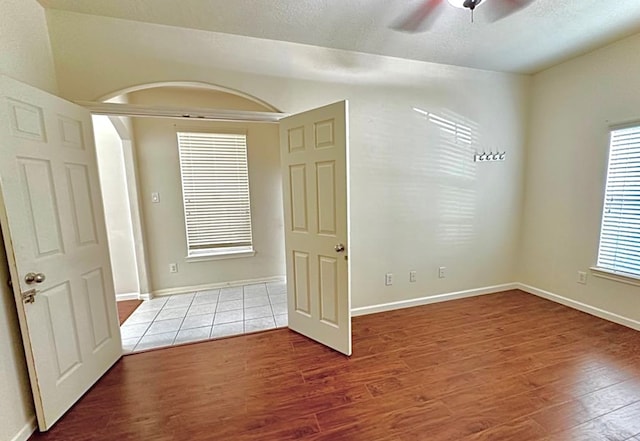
582, 277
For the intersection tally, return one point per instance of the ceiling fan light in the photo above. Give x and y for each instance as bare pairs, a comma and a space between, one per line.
457, 3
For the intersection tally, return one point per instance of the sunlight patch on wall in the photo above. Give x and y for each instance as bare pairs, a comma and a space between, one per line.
456, 191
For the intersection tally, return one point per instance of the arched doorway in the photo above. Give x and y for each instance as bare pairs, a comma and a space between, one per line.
152, 186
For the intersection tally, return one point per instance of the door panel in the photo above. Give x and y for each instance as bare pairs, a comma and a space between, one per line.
27, 121
70, 133
94, 290
80, 191
298, 185
328, 275
314, 155
63, 333
326, 200
301, 289
53, 224
41, 209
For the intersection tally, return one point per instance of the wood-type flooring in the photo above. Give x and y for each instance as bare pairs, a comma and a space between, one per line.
126, 308
506, 366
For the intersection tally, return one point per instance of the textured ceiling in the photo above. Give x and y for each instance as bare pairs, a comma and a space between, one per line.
539, 36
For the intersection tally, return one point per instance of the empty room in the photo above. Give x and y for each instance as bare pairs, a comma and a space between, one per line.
435, 203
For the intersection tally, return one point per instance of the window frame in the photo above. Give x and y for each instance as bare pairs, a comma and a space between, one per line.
600, 270
215, 252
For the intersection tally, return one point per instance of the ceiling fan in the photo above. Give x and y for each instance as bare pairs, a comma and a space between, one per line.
425, 14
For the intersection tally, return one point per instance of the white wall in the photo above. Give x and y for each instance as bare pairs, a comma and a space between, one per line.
573, 104
24, 44
115, 199
417, 202
159, 171
26, 56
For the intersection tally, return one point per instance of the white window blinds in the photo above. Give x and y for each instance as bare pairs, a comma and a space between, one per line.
215, 189
620, 233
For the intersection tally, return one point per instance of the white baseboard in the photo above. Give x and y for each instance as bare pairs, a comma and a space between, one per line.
205, 287
401, 304
601, 313
26, 432
364, 310
128, 296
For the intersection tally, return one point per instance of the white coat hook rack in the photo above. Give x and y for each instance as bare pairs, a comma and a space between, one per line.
491, 156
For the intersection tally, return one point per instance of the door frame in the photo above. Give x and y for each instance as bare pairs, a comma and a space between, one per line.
118, 114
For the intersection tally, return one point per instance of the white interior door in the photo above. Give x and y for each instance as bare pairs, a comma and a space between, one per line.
313, 149
53, 226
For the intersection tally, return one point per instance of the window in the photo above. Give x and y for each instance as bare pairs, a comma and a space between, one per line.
619, 250
215, 190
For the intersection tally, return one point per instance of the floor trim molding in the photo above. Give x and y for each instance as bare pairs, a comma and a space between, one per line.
401, 304
205, 287
25, 433
601, 313
128, 296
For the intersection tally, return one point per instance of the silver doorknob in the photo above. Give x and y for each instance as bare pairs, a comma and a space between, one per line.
339, 248
34, 278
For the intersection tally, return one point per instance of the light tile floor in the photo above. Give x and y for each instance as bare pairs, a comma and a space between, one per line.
204, 315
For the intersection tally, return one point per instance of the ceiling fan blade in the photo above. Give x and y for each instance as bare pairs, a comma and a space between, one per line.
420, 19
498, 9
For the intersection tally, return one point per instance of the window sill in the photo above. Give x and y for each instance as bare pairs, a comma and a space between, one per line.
220, 255
629, 279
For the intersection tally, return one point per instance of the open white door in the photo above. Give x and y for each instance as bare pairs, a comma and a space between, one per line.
313, 147
54, 233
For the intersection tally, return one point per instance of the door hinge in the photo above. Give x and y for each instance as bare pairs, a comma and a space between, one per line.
29, 296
